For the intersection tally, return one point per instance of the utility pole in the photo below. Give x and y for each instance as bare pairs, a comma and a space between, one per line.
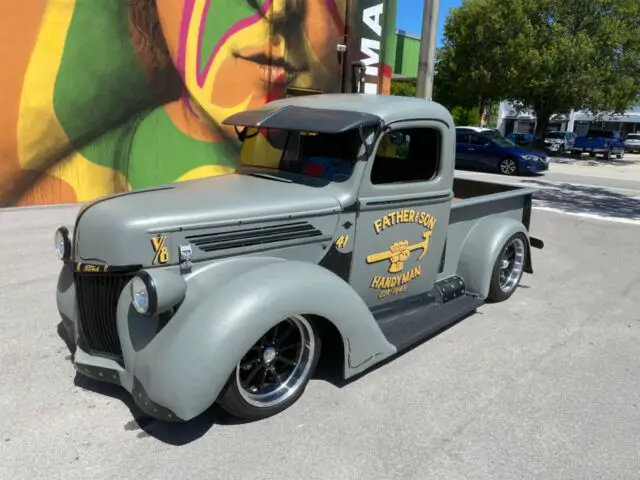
426, 65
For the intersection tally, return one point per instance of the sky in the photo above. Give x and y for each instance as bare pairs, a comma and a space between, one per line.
410, 15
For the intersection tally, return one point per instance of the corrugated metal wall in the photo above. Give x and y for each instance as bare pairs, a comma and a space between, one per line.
407, 48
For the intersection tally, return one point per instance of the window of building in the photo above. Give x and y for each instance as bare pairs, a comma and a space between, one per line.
409, 155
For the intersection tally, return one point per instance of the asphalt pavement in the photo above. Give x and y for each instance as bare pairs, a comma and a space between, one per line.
605, 190
543, 386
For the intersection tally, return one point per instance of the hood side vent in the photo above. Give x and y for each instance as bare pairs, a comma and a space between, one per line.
247, 237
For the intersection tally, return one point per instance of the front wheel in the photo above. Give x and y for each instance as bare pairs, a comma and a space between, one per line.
508, 269
275, 371
508, 166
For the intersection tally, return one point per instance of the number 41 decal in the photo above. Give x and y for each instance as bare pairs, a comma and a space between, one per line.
342, 241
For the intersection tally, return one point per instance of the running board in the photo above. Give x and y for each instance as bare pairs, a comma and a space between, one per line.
415, 320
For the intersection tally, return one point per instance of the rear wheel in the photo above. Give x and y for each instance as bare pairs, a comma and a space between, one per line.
508, 269
275, 371
508, 166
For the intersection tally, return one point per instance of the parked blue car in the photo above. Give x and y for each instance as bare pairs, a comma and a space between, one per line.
497, 154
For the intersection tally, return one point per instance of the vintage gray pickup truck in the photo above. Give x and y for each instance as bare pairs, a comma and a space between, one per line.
343, 233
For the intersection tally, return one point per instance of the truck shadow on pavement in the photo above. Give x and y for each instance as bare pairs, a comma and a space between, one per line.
330, 371
584, 199
176, 434
595, 161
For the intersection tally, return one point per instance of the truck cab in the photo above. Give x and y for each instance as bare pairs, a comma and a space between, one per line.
343, 233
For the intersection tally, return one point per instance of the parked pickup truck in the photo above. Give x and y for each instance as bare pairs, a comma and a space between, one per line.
605, 142
342, 234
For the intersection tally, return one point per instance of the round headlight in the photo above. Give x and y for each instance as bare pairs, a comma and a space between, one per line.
140, 296
144, 295
62, 244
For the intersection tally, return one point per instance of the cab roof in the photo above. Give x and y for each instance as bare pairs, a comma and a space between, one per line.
335, 113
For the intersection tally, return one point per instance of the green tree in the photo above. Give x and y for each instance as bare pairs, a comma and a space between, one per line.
403, 88
549, 56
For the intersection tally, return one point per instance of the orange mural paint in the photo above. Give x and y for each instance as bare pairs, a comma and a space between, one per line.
19, 27
104, 96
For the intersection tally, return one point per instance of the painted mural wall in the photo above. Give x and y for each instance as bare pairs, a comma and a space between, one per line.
105, 96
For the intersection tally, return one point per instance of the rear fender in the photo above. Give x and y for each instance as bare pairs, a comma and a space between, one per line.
481, 249
188, 363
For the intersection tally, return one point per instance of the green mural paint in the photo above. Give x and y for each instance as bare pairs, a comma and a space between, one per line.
220, 17
100, 83
160, 153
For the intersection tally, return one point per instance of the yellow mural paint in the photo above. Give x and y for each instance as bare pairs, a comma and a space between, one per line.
205, 171
38, 127
203, 95
258, 152
89, 180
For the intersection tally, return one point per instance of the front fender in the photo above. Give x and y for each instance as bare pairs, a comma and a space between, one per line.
481, 249
188, 363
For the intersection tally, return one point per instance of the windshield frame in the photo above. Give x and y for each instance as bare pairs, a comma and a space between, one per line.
556, 135
501, 141
336, 166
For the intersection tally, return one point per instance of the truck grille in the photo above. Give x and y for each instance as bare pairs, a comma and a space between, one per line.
97, 303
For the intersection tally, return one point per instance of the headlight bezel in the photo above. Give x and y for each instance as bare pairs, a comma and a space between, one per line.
530, 158
151, 291
66, 243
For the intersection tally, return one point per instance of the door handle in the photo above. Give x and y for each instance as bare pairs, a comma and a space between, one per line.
471, 149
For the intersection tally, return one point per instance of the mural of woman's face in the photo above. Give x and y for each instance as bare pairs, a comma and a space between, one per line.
237, 54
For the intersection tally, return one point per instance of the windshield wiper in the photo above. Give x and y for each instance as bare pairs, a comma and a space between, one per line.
270, 177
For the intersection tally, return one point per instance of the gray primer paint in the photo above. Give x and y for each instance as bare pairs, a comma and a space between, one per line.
233, 295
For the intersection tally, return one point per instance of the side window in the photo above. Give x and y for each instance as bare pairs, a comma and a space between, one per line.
409, 155
479, 140
462, 137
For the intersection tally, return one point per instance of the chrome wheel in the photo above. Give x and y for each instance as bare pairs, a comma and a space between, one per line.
512, 265
508, 166
278, 364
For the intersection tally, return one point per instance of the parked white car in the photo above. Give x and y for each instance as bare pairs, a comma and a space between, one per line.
559, 141
632, 143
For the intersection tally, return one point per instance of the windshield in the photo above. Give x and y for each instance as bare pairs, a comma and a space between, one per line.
556, 135
503, 142
600, 133
633, 136
328, 156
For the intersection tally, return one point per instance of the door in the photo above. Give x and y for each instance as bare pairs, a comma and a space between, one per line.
462, 149
480, 152
405, 199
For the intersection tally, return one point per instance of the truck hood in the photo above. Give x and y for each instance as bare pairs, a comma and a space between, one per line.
117, 230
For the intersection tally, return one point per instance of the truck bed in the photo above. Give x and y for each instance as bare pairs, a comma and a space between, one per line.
475, 200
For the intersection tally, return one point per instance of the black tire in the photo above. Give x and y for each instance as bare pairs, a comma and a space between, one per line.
497, 291
239, 402
508, 166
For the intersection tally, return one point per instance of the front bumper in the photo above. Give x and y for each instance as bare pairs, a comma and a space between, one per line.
535, 166
129, 370
104, 371
589, 150
553, 147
